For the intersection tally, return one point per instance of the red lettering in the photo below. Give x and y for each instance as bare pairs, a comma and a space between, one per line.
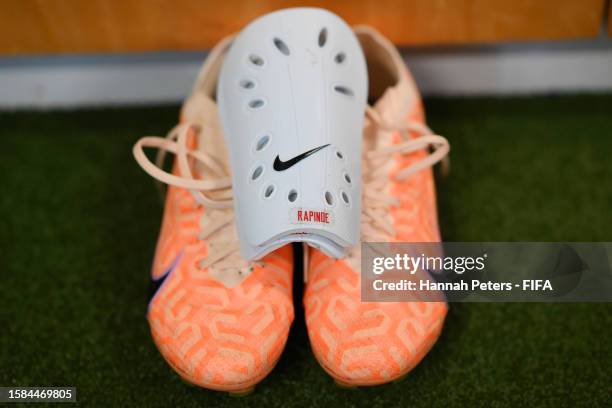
313, 216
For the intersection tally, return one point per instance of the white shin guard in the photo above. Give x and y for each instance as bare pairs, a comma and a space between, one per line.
291, 95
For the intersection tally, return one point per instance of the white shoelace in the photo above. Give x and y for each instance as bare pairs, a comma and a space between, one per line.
376, 223
214, 193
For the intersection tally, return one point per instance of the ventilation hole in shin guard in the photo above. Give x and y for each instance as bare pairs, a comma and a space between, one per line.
341, 89
262, 143
322, 37
281, 46
329, 198
256, 103
269, 191
347, 178
257, 173
345, 197
247, 84
256, 60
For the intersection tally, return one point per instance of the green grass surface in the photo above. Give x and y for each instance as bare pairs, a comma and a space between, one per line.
79, 221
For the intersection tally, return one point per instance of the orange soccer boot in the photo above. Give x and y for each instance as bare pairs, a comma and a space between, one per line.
360, 343
219, 321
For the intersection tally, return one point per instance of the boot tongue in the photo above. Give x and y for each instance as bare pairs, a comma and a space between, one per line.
393, 107
202, 110
392, 104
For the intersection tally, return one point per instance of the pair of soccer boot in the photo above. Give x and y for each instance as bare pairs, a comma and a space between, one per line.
222, 313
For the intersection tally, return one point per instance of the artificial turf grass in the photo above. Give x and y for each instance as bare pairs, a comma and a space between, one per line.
79, 220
